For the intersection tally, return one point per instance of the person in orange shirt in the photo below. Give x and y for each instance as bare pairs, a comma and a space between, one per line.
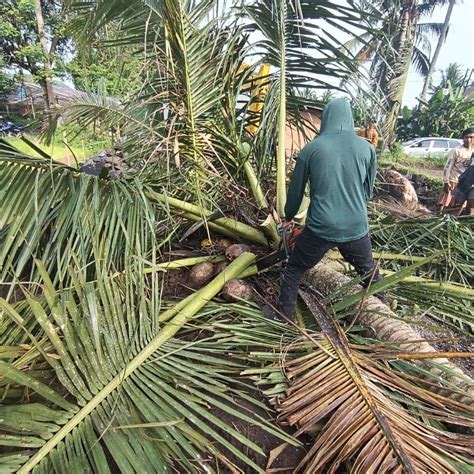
370, 133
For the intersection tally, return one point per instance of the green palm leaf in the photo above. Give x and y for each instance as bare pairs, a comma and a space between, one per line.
122, 377
58, 215
184, 119
420, 237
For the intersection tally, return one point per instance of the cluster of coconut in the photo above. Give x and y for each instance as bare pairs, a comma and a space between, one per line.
233, 290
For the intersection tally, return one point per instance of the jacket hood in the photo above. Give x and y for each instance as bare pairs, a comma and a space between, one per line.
337, 117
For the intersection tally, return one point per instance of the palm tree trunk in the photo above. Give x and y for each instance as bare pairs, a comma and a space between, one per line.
388, 327
281, 158
403, 46
441, 40
46, 82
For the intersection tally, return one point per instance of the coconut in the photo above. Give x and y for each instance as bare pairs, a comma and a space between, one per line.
235, 250
206, 243
224, 243
200, 274
220, 267
235, 290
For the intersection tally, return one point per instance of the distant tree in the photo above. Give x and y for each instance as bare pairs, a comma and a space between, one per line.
32, 35
400, 40
454, 75
46, 58
447, 113
6, 81
318, 97
441, 41
103, 62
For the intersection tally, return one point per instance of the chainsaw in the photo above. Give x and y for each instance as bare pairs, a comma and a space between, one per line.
287, 244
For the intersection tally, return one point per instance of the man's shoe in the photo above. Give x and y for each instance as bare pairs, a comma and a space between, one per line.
270, 313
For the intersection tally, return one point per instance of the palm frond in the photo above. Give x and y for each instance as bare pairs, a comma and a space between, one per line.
363, 413
91, 16
414, 237
441, 290
370, 313
86, 108
429, 28
420, 61
125, 388
452, 305
59, 215
426, 7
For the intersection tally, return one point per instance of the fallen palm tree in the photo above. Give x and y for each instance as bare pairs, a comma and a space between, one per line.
388, 328
449, 303
102, 369
34, 314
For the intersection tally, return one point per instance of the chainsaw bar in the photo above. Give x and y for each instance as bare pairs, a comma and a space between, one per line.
270, 260
288, 238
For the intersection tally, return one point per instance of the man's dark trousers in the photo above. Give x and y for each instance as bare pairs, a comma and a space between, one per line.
309, 250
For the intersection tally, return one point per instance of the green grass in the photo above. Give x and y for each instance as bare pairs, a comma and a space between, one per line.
59, 151
397, 157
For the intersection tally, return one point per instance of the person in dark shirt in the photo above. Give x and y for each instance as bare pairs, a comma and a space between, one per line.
340, 168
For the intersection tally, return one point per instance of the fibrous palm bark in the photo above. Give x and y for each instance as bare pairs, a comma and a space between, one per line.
388, 327
394, 82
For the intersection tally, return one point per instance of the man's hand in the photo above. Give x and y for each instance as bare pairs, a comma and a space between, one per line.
287, 224
449, 186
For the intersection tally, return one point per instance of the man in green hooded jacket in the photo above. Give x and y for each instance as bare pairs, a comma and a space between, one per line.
340, 167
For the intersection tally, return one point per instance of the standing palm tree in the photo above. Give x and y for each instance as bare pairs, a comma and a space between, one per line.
441, 40
454, 76
401, 41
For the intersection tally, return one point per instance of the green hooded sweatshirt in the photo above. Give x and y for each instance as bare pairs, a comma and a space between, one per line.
341, 169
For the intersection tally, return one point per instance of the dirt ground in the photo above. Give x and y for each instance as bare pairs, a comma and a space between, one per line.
284, 463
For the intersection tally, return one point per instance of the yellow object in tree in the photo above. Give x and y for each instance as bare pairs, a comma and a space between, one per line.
258, 97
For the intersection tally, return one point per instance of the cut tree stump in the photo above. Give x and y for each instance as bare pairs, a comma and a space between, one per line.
396, 185
397, 196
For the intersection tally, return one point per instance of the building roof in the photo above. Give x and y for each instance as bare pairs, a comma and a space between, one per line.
27, 91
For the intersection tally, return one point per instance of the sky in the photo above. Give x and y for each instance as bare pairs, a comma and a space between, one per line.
458, 48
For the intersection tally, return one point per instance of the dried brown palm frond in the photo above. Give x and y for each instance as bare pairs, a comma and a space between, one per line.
367, 413
388, 325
